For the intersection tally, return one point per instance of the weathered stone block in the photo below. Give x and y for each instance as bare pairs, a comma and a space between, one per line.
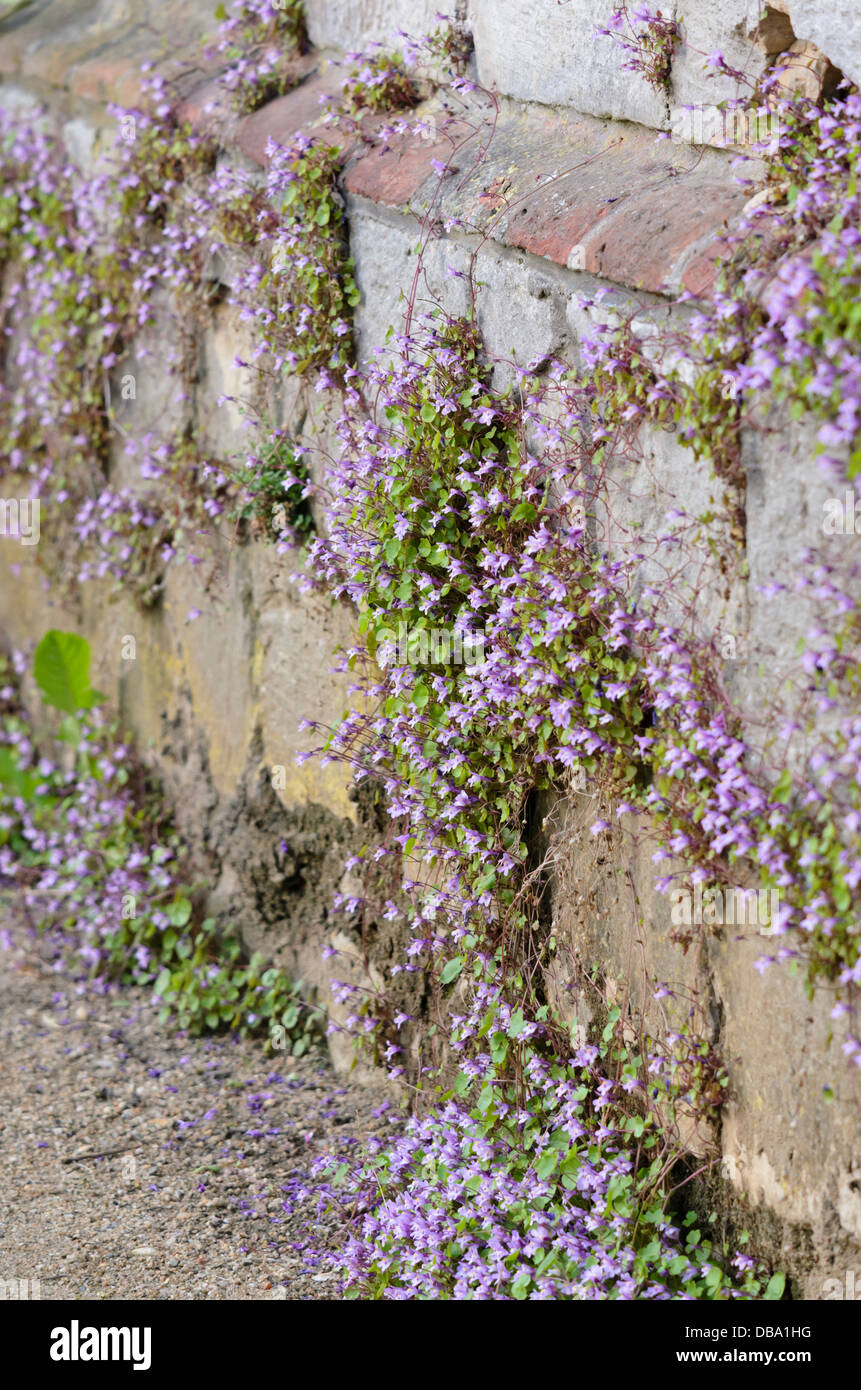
297, 637
225, 391
520, 305
787, 492
150, 398
833, 25
354, 24
550, 53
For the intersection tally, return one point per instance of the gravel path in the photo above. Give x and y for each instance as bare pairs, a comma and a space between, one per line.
139, 1163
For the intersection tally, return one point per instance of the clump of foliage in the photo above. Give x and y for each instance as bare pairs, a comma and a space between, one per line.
456, 526
274, 490
649, 42
376, 81
107, 247
310, 286
549, 1183
85, 258
257, 38
103, 874
783, 317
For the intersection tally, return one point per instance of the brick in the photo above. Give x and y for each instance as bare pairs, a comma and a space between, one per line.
587, 196
192, 107
392, 174
96, 54
547, 52
53, 55
113, 74
298, 110
601, 169
700, 274
605, 199
649, 234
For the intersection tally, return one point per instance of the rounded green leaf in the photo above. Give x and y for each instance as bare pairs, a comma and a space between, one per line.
62, 671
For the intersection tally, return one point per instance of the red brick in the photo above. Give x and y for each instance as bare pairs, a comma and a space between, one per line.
556, 217
605, 198
593, 196
114, 74
699, 274
192, 107
281, 119
650, 234
393, 173
212, 91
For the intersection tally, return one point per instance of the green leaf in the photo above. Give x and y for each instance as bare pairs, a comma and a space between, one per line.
524, 512
179, 912
451, 970
62, 671
546, 1164
162, 982
774, 1288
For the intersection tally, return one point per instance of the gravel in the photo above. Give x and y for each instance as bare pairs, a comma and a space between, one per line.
137, 1162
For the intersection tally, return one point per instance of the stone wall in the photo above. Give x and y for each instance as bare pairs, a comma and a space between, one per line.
574, 196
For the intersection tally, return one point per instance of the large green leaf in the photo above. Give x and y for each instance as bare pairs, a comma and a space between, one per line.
62, 671
451, 970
